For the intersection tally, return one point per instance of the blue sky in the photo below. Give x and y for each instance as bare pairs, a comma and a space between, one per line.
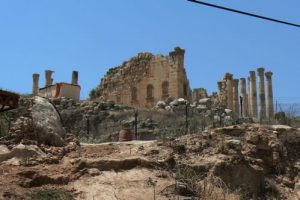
93, 35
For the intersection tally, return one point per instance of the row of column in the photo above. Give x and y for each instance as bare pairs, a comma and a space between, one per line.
246, 104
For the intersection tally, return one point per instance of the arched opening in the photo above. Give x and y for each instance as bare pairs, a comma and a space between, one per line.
134, 94
165, 89
150, 92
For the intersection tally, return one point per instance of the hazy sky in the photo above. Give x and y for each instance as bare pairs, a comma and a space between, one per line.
92, 35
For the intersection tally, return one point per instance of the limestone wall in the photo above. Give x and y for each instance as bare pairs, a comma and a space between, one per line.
61, 90
48, 92
70, 91
146, 79
199, 93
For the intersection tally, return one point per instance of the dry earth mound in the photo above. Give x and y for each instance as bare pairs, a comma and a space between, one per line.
236, 162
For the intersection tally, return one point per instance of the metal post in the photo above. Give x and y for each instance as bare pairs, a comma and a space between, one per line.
241, 100
186, 118
87, 125
135, 124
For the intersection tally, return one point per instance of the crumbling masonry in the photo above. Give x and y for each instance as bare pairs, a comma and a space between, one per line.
146, 79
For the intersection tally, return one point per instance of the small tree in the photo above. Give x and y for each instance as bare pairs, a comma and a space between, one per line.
92, 93
152, 183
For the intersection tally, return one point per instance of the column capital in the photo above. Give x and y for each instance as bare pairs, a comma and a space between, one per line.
48, 71
242, 79
252, 74
235, 81
260, 71
35, 76
269, 75
228, 76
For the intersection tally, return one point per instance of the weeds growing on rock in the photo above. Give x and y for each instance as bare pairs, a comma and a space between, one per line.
191, 183
152, 183
51, 194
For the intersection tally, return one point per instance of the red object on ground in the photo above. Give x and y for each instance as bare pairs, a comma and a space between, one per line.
125, 135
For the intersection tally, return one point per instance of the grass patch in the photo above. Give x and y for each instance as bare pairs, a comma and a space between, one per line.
51, 194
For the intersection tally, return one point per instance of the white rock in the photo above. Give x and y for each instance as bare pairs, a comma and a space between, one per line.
281, 127
204, 101
181, 101
228, 111
174, 103
201, 107
161, 104
168, 108
3, 149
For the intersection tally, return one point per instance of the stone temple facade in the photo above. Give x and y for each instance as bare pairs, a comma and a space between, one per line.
146, 79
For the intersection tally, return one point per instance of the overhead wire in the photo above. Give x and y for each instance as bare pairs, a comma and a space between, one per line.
245, 13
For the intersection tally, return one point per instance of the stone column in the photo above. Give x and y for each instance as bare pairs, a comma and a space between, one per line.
253, 94
244, 97
247, 105
75, 77
270, 95
228, 78
262, 95
35, 87
49, 80
249, 100
235, 95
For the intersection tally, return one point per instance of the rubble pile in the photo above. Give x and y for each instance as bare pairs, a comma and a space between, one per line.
208, 108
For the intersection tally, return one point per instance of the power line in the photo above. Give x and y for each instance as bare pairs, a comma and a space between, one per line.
245, 13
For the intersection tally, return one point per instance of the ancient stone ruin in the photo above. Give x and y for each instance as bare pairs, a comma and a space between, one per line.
246, 105
57, 90
146, 79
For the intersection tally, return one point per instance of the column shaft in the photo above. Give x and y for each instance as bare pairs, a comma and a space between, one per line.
235, 95
75, 77
270, 95
49, 80
249, 98
228, 78
253, 95
35, 86
262, 95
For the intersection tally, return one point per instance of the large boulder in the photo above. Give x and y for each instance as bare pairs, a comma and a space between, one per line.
47, 123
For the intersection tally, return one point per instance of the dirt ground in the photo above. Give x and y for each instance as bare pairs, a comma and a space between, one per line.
121, 183
244, 162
